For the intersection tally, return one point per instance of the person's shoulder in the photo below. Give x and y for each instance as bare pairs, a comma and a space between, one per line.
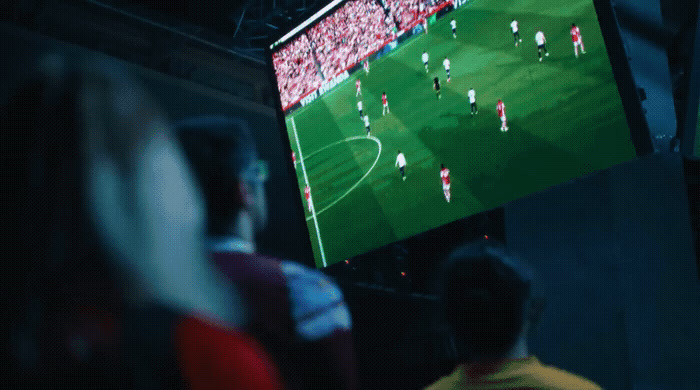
446, 382
555, 379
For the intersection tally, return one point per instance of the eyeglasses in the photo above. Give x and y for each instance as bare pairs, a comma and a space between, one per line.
257, 172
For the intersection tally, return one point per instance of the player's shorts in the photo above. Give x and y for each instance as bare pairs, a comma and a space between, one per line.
454, 29
503, 119
577, 42
540, 46
385, 104
446, 187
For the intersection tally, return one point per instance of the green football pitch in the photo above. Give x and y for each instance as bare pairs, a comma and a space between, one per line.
564, 115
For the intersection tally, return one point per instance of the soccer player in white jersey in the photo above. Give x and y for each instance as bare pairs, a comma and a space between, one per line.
445, 177
359, 108
541, 42
576, 38
401, 163
453, 23
472, 101
358, 85
446, 64
501, 108
385, 104
516, 33
366, 119
424, 57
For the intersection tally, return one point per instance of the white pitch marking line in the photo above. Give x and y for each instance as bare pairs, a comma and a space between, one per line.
373, 138
306, 181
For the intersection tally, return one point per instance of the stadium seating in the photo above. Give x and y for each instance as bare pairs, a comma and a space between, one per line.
354, 31
296, 70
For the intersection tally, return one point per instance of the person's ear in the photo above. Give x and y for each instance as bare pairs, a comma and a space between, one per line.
245, 194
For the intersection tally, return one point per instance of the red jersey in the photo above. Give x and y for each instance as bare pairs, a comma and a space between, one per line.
384, 98
307, 192
357, 83
575, 34
501, 109
445, 176
294, 158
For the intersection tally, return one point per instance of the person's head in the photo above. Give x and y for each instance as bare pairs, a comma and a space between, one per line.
442, 166
486, 296
110, 198
398, 152
573, 24
436, 80
500, 101
222, 153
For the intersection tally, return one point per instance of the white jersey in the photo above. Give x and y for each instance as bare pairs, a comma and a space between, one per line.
425, 57
366, 119
446, 64
359, 105
400, 160
514, 26
453, 23
539, 38
472, 96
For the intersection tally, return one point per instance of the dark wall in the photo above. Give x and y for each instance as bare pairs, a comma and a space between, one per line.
22, 49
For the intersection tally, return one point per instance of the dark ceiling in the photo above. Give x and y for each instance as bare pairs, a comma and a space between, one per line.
247, 23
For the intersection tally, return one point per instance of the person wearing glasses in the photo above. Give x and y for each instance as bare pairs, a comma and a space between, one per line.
291, 309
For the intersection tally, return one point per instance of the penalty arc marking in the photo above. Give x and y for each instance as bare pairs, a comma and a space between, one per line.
373, 138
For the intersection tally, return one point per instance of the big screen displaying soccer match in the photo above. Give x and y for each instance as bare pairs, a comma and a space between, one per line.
405, 115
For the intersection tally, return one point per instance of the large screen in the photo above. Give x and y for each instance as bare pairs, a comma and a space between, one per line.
377, 100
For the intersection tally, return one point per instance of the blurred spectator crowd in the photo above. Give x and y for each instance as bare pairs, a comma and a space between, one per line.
351, 33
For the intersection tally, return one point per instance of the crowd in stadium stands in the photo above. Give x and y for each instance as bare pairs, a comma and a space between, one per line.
408, 13
351, 33
296, 70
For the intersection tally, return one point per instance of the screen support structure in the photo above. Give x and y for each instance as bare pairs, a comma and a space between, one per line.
629, 94
687, 128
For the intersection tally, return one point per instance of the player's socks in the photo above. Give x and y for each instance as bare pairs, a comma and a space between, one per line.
404, 178
540, 59
547, 54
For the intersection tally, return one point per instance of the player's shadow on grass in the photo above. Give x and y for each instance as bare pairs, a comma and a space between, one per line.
532, 165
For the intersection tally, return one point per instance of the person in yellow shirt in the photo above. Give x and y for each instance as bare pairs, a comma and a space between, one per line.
486, 298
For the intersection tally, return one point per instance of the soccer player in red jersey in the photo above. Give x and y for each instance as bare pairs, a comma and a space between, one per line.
294, 159
385, 104
357, 84
445, 176
307, 195
501, 108
365, 65
576, 38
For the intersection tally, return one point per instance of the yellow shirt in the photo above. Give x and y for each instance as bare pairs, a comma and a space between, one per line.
520, 374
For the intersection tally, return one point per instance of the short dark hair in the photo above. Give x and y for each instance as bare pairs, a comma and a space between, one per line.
484, 295
219, 150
